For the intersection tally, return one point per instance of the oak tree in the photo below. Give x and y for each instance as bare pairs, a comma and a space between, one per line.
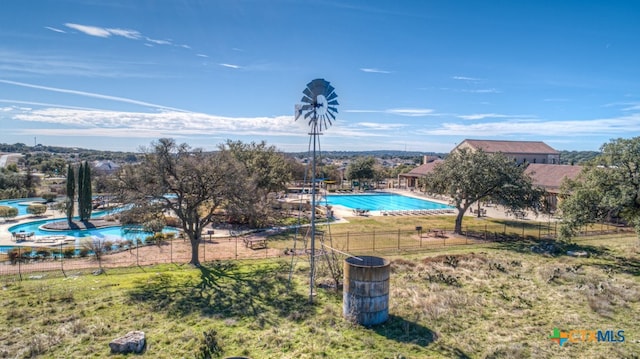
609, 186
187, 183
469, 176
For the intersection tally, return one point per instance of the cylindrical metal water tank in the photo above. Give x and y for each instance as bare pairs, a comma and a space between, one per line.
365, 297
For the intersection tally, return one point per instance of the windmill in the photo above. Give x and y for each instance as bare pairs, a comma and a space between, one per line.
319, 108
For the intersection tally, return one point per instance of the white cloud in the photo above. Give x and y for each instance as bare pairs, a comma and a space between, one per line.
129, 34
465, 78
168, 121
411, 112
380, 126
18, 63
105, 32
230, 66
42, 104
375, 71
481, 116
89, 30
158, 42
596, 127
202, 55
115, 124
491, 90
54, 29
90, 94
362, 111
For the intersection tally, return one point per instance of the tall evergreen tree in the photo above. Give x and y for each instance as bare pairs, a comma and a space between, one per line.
71, 192
81, 191
84, 191
87, 206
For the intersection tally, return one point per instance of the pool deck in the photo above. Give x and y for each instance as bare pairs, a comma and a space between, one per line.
34, 241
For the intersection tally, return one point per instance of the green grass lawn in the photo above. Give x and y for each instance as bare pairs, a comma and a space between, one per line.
493, 301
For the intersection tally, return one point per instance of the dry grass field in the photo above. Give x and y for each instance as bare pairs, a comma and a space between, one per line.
499, 300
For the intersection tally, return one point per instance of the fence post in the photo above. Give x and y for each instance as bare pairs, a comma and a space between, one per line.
137, 253
485, 232
539, 231
20, 263
171, 251
347, 241
62, 261
374, 240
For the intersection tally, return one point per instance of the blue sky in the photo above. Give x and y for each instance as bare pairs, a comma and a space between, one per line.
410, 75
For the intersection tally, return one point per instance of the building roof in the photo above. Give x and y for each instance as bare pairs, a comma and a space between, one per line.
551, 176
492, 146
422, 169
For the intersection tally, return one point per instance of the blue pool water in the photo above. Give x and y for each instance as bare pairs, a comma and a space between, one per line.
115, 233
383, 201
112, 233
21, 204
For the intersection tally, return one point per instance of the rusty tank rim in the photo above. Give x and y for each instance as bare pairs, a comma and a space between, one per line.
367, 261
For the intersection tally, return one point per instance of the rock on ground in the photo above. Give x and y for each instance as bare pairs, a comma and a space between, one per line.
132, 342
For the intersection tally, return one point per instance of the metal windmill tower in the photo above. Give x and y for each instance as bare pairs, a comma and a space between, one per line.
319, 107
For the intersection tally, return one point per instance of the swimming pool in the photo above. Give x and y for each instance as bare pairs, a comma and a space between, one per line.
383, 202
116, 233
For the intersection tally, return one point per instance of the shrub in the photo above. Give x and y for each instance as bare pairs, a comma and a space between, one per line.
36, 209
209, 347
107, 246
68, 252
172, 222
8, 212
14, 255
49, 197
43, 253
153, 226
150, 239
158, 238
83, 252
25, 253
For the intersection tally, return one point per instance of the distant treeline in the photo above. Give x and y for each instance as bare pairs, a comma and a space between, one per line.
577, 157
384, 154
72, 152
566, 157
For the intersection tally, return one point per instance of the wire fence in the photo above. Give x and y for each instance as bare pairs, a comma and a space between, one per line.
64, 260
32, 263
